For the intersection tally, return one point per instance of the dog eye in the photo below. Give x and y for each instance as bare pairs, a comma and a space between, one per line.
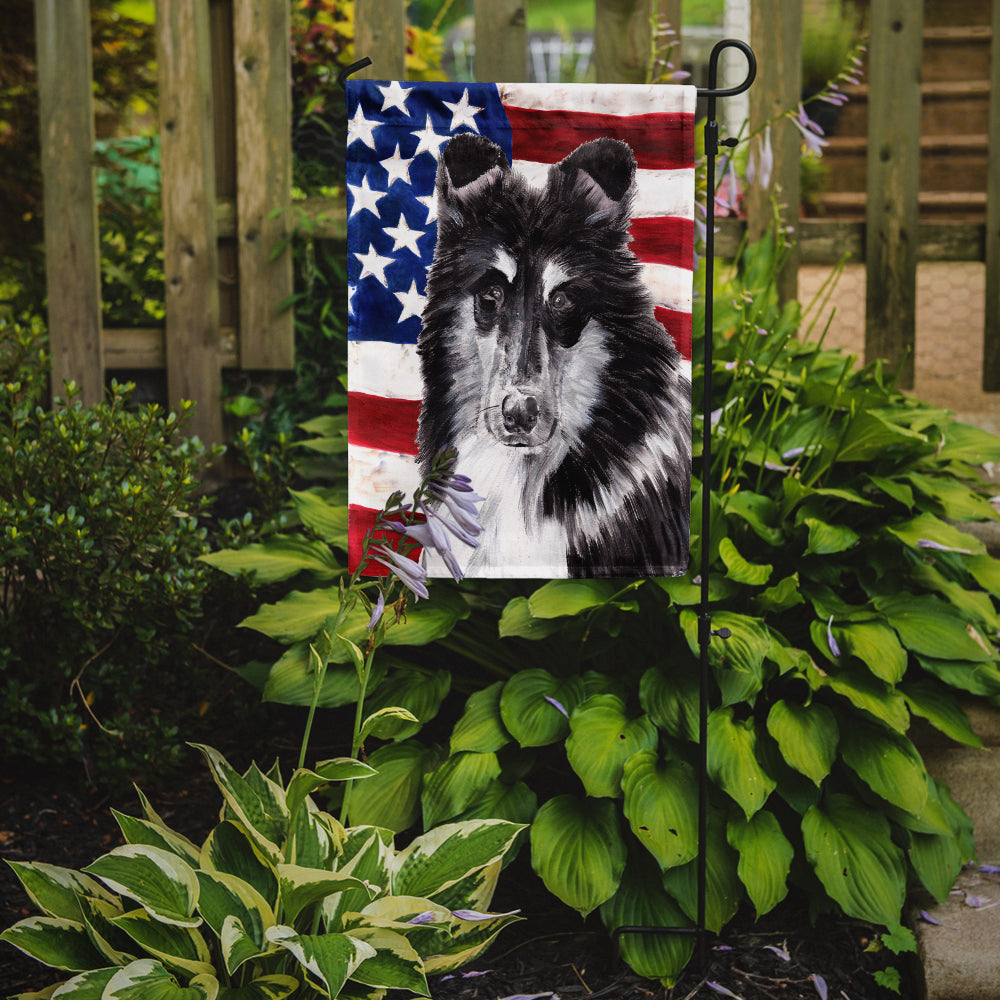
489, 299
560, 302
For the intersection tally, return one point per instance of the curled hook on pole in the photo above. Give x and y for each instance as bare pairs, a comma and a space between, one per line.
353, 68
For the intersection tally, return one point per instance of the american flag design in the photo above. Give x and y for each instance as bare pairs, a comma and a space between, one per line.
396, 131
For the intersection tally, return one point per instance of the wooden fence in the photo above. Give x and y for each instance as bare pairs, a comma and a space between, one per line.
226, 160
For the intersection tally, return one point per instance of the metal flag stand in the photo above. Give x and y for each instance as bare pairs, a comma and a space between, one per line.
705, 630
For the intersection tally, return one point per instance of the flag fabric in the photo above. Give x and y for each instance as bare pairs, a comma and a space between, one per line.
396, 132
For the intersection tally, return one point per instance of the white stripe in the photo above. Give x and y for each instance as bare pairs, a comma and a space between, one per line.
379, 368
658, 192
373, 476
605, 99
669, 286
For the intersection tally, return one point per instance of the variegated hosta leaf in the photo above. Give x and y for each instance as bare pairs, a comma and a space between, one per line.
441, 857
225, 897
329, 959
274, 987
86, 986
481, 727
578, 851
395, 964
315, 838
230, 849
602, 737
456, 784
304, 782
807, 736
177, 947
300, 887
765, 858
256, 801
476, 890
147, 979
367, 853
56, 891
732, 760
141, 831
116, 946
468, 939
158, 880
642, 902
661, 799
850, 847
54, 941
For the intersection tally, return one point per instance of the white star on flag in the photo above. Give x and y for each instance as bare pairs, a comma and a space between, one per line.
403, 236
395, 97
413, 302
429, 202
463, 113
397, 167
374, 264
430, 141
365, 197
360, 128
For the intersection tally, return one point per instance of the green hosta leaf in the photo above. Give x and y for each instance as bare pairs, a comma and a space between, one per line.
481, 728
888, 763
850, 847
941, 709
986, 571
976, 605
827, 539
602, 738
661, 799
391, 798
937, 860
893, 488
958, 502
965, 443
180, 948
865, 692
765, 858
330, 959
292, 680
558, 598
456, 784
807, 736
976, 678
275, 987
395, 964
415, 689
225, 897
671, 699
279, 558
758, 511
739, 569
876, 646
141, 831
516, 803
325, 519
578, 851
261, 809
443, 856
683, 591
159, 881
56, 891
932, 628
147, 979
928, 528
54, 941
301, 887
869, 436
738, 661
723, 889
783, 595
517, 620
732, 760
527, 711
641, 901
230, 849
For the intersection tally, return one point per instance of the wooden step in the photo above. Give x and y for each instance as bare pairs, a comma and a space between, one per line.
958, 206
940, 13
956, 53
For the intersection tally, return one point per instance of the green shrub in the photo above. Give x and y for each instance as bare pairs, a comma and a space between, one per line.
99, 539
280, 899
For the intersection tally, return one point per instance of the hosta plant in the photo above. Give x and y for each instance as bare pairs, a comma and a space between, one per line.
279, 900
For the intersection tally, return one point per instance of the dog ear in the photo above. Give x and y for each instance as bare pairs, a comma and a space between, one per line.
600, 173
469, 164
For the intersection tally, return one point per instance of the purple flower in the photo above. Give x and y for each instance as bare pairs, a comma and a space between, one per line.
780, 952
411, 574
559, 705
811, 132
834, 648
427, 917
927, 543
820, 983
429, 535
719, 988
761, 164
377, 611
475, 915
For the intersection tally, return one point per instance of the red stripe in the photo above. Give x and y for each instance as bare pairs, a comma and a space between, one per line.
664, 240
379, 422
660, 141
361, 520
678, 325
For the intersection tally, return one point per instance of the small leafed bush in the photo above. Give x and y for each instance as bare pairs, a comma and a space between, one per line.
280, 899
99, 578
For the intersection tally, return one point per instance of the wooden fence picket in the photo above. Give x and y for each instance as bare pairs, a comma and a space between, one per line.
991, 332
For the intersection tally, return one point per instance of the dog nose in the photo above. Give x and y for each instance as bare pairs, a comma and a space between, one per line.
520, 412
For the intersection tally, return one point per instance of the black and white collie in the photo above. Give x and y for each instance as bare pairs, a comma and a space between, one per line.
544, 365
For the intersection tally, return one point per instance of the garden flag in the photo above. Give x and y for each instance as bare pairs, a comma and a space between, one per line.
519, 278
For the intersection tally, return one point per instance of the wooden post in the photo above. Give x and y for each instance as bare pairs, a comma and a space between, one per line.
623, 39
893, 183
72, 256
190, 254
380, 34
668, 12
262, 60
776, 34
501, 41
991, 333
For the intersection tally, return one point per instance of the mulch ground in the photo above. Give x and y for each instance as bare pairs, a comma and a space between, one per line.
551, 953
